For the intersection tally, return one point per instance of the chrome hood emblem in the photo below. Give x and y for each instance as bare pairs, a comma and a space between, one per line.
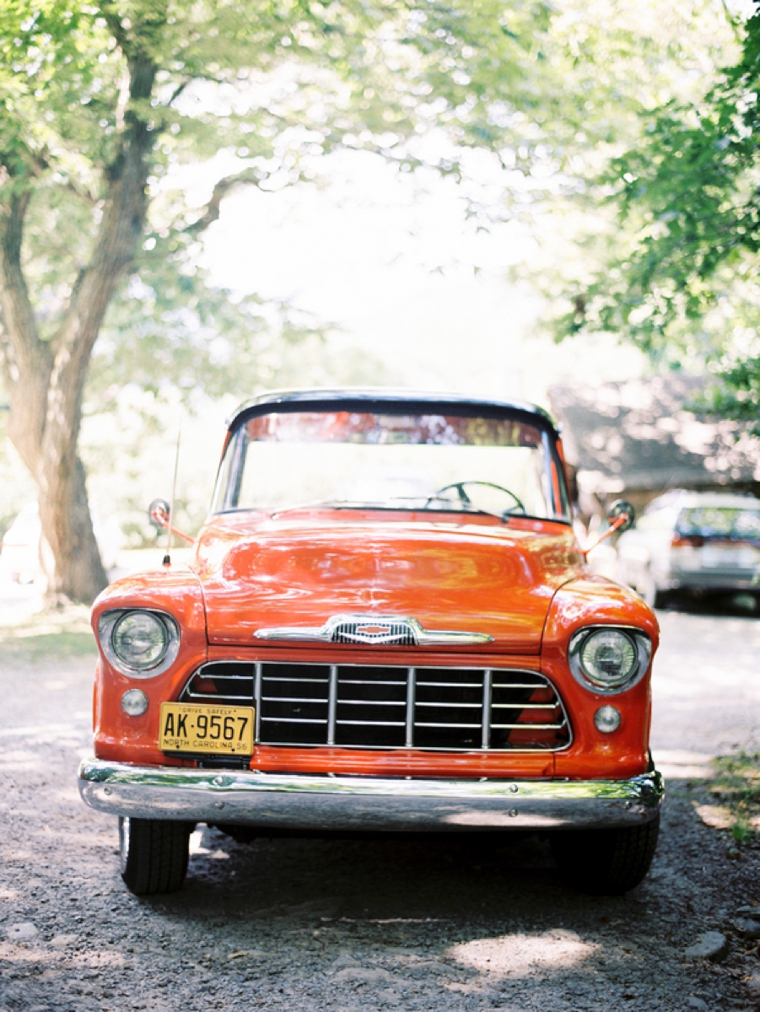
374, 630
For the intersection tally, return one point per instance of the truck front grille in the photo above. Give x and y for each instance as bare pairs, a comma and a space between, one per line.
372, 706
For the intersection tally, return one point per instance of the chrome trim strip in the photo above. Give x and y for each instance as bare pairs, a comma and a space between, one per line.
422, 637
319, 803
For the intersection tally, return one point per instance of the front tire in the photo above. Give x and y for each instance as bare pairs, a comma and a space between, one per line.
154, 854
605, 862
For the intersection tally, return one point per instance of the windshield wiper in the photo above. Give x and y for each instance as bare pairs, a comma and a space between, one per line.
339, 503
468, 507
391, 504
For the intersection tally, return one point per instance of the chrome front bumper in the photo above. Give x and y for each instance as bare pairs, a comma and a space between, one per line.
381, 804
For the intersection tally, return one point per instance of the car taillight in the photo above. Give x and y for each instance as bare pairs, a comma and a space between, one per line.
687, 541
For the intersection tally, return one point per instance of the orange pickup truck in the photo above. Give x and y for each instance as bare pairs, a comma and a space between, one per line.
387, 625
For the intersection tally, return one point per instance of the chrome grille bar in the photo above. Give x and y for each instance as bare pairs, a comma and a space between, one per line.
389, 706
457, 706
487, 704
296, 720
426, 724
376, 702
411, 693
332, 704
257, 695
521, 706
543, 727
372, 723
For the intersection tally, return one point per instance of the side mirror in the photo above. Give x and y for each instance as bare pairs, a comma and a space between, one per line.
158, 514
621, 515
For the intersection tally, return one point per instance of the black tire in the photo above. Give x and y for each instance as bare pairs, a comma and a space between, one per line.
605, 862
154, 854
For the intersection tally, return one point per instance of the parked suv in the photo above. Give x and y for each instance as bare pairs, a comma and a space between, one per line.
694, 541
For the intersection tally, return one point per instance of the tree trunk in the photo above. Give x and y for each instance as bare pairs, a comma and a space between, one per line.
46, 379
44, 427
77, 573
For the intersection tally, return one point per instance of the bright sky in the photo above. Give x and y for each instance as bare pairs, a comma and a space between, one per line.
405, 277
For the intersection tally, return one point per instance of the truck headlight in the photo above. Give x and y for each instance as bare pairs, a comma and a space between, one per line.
138, 642
609, 659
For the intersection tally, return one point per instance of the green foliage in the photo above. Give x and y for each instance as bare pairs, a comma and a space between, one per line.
64, 634
546, 89
678, 276
738, 783
261, 92
268, 93
174, 329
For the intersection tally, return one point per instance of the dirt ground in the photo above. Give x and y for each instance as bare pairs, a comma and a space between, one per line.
434, 924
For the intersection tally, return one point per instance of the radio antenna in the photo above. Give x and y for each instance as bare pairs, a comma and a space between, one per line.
167, 558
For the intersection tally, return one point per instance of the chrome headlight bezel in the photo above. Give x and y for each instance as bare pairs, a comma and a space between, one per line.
638, 639
107, 627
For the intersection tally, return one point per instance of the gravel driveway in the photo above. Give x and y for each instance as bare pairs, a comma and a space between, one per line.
432, 924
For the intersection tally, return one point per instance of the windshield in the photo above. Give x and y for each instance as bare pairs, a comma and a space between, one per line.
501, 466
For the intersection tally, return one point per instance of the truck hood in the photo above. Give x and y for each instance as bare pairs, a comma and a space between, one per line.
495, 580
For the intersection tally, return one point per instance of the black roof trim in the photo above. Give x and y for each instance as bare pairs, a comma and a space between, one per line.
409, 400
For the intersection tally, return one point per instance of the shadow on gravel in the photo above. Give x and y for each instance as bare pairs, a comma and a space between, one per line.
741, 605
443, 924
431, 877
436, 923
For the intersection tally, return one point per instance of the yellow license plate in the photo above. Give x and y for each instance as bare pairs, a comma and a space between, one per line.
220, 730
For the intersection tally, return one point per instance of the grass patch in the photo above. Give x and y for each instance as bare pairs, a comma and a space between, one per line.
62, 633
737, 784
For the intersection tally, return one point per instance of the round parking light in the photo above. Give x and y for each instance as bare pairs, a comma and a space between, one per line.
134, 702
607, 719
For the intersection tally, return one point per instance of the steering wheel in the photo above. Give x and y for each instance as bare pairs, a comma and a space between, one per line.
459, 488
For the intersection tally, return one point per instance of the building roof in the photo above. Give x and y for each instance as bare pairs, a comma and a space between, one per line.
647, 435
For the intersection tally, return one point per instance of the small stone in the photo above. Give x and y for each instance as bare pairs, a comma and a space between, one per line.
63, 941
750, 911
697, 1003
711, 945
21, 932
747, 927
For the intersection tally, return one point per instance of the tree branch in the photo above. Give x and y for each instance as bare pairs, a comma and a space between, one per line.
16, 306
8, 366
733, 21
114, 23
178, 91
222, 189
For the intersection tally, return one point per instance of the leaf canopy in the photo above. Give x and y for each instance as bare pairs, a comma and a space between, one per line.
680, 278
